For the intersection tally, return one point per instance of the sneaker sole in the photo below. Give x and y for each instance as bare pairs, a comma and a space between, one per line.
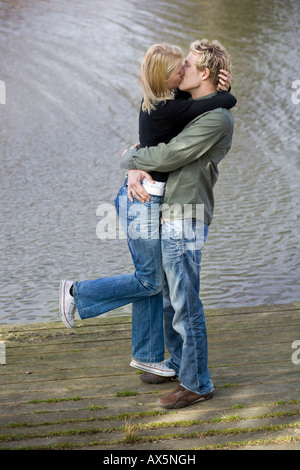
62, 294
153, 370
156, 379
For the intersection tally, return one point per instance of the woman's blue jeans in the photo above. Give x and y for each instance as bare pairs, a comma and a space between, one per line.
95, 297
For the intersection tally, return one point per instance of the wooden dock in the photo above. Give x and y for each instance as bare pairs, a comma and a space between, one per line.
74, 389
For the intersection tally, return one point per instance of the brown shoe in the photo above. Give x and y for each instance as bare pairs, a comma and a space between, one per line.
182, 397
149, 378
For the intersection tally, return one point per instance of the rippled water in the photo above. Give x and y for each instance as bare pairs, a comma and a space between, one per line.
72, 96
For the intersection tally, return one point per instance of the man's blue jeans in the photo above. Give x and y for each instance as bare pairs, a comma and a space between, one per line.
184, 319
95, 297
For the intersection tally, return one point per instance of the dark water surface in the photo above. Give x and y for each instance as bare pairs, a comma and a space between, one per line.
72, 97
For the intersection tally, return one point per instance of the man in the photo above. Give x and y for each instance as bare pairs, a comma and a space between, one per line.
192, 158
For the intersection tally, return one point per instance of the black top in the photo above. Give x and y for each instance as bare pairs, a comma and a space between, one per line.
169, 118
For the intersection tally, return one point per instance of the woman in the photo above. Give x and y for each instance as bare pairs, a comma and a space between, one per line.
161, 118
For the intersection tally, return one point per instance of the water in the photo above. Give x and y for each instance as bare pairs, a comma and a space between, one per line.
72, 96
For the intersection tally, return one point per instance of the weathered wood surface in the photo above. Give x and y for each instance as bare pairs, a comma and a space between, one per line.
74, 389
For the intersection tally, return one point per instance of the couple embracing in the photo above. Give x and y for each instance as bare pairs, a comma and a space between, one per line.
185, 130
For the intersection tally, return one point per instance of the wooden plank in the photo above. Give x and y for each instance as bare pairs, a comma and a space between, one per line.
61, 387
2, 353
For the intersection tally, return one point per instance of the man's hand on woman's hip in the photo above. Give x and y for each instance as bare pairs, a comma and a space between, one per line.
135, 188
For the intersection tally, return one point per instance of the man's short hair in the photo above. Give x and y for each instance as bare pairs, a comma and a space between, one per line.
213, 55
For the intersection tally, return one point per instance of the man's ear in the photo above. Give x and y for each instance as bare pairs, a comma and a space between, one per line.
205, 73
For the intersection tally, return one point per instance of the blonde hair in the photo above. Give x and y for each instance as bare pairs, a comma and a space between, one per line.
159, 62
213, 55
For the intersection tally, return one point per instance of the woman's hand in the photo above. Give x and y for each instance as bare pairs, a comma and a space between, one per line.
225, 80
135, 146
135, 188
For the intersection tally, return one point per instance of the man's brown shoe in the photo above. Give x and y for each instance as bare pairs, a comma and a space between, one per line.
149, 378
182, 397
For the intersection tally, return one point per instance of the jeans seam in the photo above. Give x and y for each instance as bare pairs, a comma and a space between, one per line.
191, 330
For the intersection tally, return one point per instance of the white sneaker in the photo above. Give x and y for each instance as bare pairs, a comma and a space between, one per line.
158, 368
67, 306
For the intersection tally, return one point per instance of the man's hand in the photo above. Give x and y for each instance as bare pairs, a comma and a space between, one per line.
225, 80
135, 189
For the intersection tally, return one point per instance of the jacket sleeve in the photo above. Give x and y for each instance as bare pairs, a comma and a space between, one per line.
183, 111
195, 140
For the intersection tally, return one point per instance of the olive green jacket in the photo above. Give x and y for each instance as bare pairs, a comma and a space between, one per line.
192, 158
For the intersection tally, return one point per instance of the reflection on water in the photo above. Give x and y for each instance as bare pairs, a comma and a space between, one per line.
72, 96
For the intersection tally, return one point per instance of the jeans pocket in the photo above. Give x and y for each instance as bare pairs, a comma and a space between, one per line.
194, 235
171, 232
